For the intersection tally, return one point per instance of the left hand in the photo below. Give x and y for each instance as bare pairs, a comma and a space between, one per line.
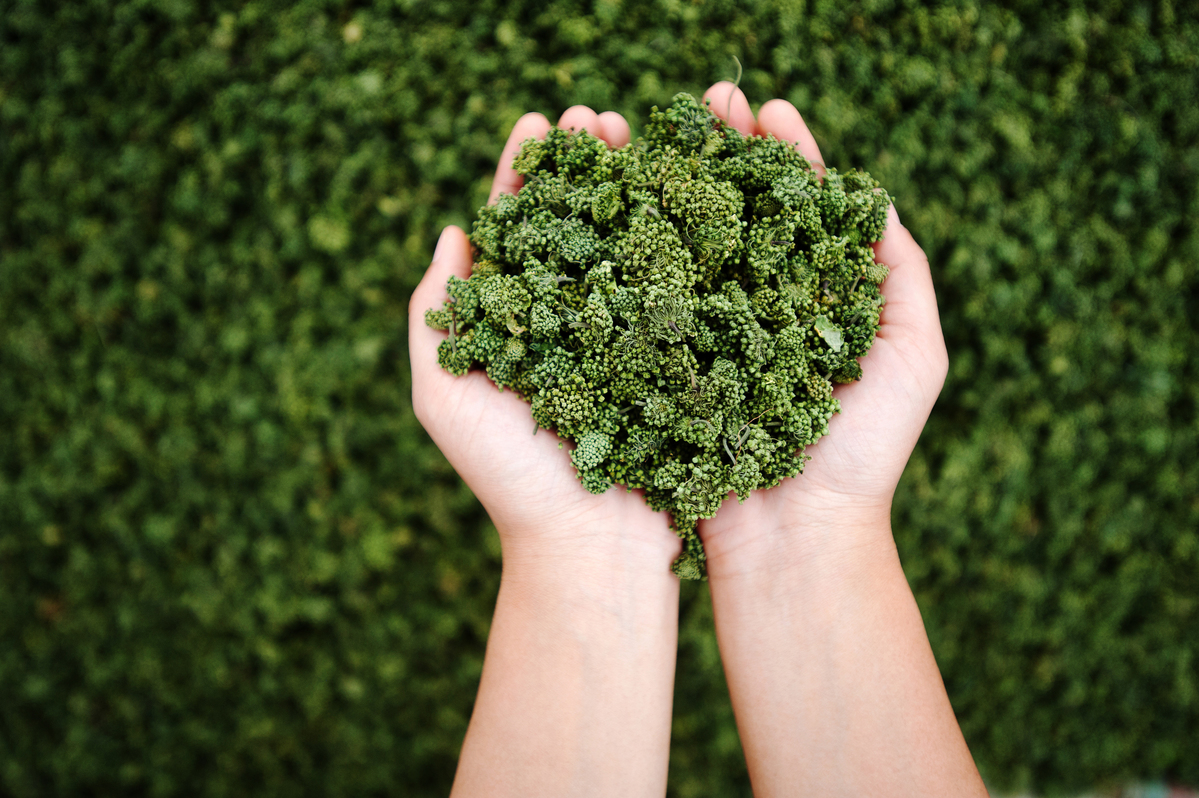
525, 480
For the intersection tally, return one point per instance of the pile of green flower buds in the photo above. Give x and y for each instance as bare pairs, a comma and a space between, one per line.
679, 308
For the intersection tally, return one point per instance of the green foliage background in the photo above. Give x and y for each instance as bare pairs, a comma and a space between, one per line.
232, 563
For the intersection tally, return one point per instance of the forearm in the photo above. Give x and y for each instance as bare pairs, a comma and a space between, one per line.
833, 682
577, 683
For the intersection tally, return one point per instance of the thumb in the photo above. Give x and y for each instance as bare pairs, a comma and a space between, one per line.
452, 257
910, 315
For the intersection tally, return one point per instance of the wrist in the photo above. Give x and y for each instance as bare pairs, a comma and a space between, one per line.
590, 550
816, 535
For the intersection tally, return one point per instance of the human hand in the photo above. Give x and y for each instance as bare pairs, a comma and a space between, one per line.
832, 680
579, 670
851, 477
524, 480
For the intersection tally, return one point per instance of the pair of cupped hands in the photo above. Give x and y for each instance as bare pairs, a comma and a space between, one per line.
529, 487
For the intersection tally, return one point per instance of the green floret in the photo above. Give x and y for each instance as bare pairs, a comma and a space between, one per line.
679, 308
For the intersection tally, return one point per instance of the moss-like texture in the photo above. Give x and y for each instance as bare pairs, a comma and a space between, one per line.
679, 307
231, 563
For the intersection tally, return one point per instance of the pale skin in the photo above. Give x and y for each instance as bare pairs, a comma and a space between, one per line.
832, 679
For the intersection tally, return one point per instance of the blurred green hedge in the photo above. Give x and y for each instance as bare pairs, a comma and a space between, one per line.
231, 562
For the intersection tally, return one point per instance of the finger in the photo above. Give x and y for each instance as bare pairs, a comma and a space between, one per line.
614, 129
780, 118
910, 312
507, 181
580, 117
451, 257
729, 103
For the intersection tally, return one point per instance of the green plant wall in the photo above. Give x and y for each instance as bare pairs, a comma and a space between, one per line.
231, 562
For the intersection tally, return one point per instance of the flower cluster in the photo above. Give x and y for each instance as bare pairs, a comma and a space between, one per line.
679, 308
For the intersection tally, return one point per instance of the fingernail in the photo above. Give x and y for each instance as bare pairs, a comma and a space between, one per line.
893, 215
440, 243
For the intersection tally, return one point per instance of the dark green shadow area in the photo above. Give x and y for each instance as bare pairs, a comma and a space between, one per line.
232, 563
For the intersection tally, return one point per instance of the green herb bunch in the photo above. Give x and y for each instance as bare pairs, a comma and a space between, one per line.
679, 307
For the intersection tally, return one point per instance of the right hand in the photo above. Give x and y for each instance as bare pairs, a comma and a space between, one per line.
853, 472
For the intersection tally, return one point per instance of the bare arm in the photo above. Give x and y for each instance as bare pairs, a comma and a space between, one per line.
577, 682
834, 685
833, 682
